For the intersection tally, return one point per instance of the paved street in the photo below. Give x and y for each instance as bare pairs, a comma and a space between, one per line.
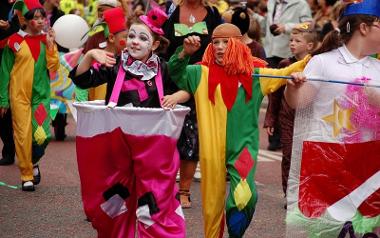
55, 209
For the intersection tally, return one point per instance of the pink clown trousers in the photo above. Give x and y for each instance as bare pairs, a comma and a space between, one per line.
128, 176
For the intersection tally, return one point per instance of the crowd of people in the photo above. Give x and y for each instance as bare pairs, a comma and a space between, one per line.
198, 53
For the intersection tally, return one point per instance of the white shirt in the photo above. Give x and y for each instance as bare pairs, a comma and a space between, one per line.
339, 65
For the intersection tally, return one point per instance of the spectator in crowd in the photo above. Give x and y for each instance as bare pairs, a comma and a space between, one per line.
52, 14
7, 28
239, 17
282, 16
303, 41
323, 14
221, 5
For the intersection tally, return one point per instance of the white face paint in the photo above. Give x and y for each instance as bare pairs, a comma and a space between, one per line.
139, 42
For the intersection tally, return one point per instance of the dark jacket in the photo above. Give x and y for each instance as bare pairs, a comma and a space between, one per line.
93, 78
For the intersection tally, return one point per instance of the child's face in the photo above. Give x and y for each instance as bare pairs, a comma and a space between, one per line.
298, 45
36, 24
219, 45
373, 38
120, 40
140, 42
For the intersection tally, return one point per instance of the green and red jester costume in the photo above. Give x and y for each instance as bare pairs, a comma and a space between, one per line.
228, 102
25, 87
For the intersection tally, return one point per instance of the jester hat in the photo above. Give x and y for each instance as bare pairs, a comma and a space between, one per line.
114, 21
24, 6
364, 7
155, 19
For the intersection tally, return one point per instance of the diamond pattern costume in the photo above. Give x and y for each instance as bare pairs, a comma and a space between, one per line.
25, 87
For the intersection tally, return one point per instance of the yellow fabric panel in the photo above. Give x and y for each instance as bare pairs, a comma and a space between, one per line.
22, 134
97, 93
20, 94
270, 85
212, 120
22, 74
52, 59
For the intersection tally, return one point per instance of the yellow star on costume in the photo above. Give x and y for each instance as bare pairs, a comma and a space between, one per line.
340, 119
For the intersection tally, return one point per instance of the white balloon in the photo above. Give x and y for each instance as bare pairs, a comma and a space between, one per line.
69, 30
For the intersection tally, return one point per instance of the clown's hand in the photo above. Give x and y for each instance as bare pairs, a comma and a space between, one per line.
191, 44
298, 80
50, 38
169, 102
103, 57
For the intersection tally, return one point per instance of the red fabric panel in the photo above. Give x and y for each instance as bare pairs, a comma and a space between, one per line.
330, 171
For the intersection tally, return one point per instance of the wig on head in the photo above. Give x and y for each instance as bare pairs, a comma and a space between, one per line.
237, 58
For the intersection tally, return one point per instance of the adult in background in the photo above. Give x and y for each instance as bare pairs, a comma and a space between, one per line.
189, 13
239, 16
282, 17
7, 28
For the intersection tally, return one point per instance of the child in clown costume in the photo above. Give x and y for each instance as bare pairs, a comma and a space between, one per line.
138, 77
228, 101
25, 87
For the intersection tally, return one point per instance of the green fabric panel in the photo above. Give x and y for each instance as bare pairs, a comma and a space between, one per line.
242, 132
41, 80
81, 95
6, 66
186, 77
40, 95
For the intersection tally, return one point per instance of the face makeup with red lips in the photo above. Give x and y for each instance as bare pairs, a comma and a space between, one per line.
140, 42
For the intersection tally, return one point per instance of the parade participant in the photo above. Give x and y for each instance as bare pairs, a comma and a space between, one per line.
98, 41
115, 30
140, 48
25, 87
138, 77
228, 102
333, 187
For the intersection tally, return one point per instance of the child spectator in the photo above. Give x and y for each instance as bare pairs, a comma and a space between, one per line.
303, 40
